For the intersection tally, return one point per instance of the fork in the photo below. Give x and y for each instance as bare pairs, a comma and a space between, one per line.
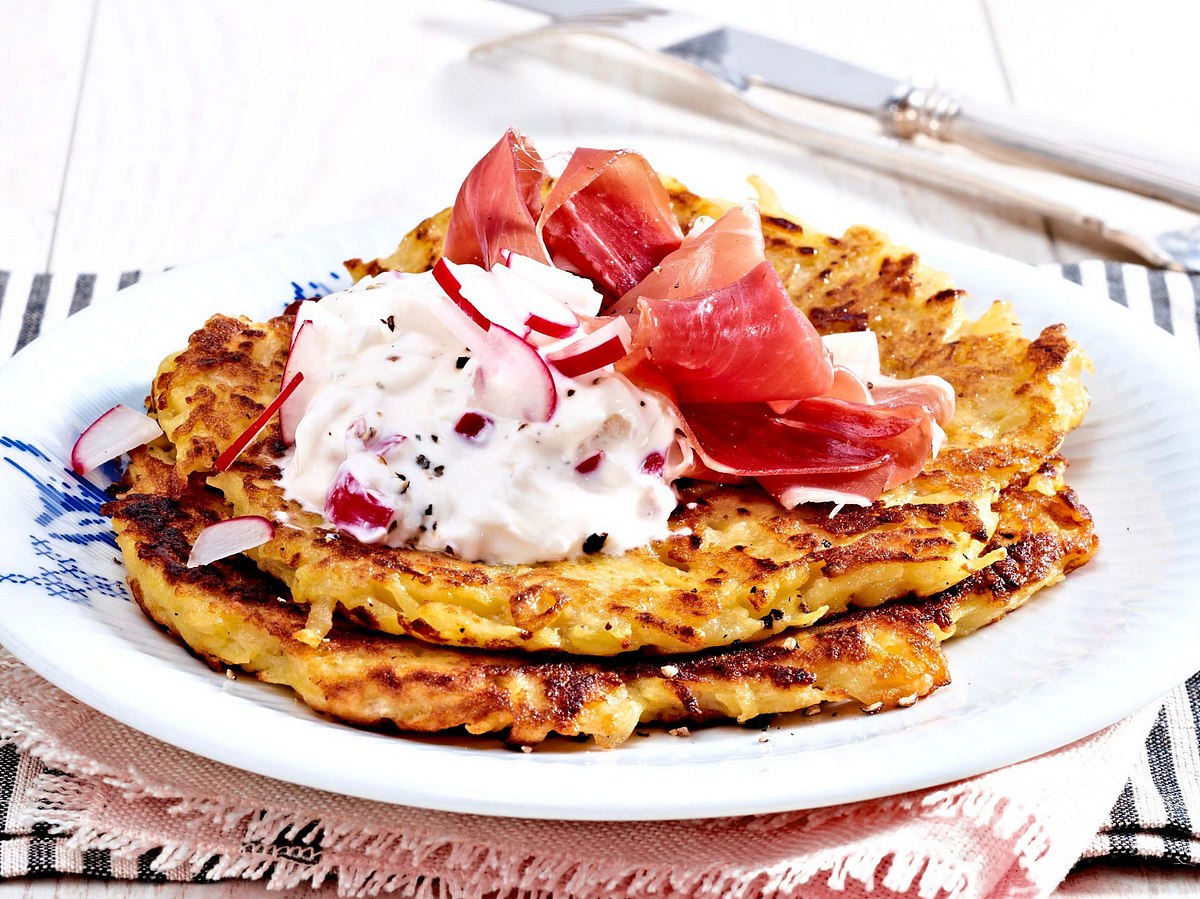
1158, 232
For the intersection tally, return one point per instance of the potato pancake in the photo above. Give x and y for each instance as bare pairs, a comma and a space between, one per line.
231, 613
741, 567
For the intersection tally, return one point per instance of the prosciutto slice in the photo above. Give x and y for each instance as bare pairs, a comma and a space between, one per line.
718, 255
820, 449
856, 359
717, 322
498, 205
609, 218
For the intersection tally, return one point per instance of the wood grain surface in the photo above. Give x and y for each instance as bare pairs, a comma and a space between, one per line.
142, 134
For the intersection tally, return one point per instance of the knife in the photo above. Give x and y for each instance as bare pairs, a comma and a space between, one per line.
741, 60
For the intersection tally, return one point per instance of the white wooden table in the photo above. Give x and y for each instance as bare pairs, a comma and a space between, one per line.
141, 134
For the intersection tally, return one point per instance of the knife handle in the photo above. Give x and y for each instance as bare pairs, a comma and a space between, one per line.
999, 131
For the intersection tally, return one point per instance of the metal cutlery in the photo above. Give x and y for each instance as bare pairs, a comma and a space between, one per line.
738, 61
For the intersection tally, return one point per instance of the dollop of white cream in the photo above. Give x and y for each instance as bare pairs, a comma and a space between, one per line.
394, 383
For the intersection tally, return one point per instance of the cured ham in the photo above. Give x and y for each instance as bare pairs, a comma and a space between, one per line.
816, 436
856, 358
717, 322
498, 205
821, 449
609, 219
760, 395
718, 255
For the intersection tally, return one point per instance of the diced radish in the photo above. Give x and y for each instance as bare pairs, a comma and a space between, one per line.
604, 346
243, 440
654, 464
542, 311
473, 426
512, 380
305, 357
117, 431
229, 537
591, 463
577, 292
448, 281
357, 509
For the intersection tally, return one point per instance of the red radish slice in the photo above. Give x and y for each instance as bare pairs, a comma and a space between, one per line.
474, 292
483, 290
542, 312
229, 537
577, 292
243, 440
449, 283
460, 324
604, 346
304, 357
117, 431
512, 380
357, 509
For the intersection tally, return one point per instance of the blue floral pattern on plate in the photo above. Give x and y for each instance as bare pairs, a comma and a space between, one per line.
72, 535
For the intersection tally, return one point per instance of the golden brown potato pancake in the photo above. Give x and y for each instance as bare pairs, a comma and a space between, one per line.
231, 613
747, 568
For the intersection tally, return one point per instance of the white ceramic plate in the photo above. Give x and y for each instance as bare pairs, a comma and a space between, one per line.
1112, 638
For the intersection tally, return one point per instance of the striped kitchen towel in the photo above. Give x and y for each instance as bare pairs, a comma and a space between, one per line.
1156, 815
30, 303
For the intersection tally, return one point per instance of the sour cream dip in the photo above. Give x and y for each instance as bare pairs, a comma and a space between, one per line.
393, 413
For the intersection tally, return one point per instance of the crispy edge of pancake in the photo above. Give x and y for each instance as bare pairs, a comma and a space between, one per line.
231, 613
741, 568
1046, 533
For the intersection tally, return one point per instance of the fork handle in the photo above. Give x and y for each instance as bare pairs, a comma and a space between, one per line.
999, 131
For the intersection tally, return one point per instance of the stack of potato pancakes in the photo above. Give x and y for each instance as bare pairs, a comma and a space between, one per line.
753, 610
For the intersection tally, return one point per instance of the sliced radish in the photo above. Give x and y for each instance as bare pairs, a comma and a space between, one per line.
604, 346
243, 440
305, 357
117, 431
484, 291
476, 292
229, 537
512, 380
578, 293
460, 324
357, 509
542, 312
448, 281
